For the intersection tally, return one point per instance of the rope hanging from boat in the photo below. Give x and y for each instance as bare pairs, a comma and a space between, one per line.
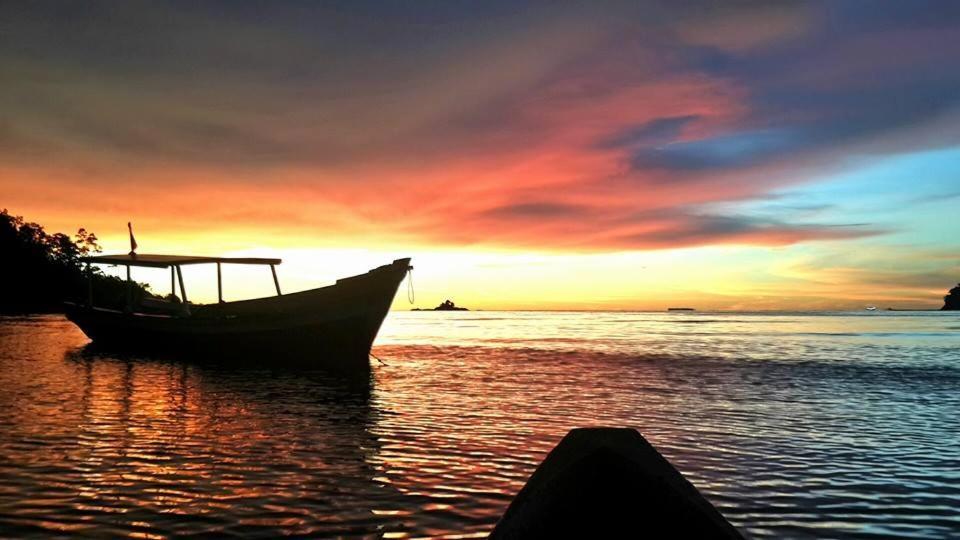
410, 294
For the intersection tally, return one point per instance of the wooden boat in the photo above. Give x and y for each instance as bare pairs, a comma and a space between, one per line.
329, 327
609, 483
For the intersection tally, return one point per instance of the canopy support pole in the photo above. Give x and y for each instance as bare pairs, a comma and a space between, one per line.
219, 284
173, 287
89, 286
183, 291
129, 291
276, 282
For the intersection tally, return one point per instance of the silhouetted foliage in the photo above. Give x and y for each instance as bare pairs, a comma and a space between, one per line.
951, 302
39, 271
448, 305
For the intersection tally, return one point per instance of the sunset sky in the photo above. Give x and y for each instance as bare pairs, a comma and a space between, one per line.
718, 155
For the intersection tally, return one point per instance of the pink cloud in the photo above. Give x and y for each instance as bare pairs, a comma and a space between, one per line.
498, 144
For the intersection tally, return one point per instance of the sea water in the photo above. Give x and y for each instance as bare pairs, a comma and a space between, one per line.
791, 424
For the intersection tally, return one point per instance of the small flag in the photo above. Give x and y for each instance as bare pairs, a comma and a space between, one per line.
133, 241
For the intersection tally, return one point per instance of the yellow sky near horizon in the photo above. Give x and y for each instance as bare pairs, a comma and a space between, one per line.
706, 278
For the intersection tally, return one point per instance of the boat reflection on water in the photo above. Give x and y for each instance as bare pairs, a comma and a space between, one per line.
172, 447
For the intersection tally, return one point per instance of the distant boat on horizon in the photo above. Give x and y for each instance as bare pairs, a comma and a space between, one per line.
681, 309
871, 308
330, 327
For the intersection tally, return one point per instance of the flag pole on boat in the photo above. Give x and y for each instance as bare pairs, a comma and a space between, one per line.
133, 253
133, 241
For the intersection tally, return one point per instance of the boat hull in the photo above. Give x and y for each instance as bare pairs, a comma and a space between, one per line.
609, 483
331, 327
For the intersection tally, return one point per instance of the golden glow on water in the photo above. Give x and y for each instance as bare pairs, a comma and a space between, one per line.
820, 425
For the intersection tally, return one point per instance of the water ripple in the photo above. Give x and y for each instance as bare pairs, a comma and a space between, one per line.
802, 435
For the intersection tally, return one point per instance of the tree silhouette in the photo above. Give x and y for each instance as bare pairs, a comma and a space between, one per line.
951, 302
39, 270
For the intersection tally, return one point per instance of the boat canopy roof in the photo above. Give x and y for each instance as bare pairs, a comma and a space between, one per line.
164, 261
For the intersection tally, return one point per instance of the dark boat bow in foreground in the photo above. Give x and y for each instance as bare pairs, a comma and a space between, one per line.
329, 327
609, 483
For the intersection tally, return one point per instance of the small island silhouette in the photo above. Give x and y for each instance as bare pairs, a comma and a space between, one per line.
951, 302
446, 305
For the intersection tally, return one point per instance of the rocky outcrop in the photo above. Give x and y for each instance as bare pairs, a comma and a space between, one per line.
448, 305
